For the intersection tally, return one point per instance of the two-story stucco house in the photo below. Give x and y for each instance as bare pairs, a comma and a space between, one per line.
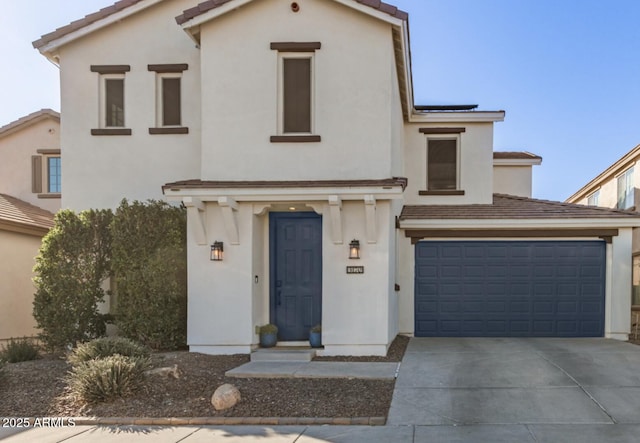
29, 194
316, 190
617, 187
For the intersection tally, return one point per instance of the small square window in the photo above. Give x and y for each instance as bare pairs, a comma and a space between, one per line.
442, 164
594, 199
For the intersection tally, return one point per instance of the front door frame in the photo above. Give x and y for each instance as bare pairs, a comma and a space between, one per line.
273, 220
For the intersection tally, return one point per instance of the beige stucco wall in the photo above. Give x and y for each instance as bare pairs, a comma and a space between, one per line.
353, 100
101, 170
17, 259
512, 180
475, 164
16, 150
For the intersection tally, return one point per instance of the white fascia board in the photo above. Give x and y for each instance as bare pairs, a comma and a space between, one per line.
380, 15
458, 117
50, 49
573, 223
284, 195
213, 13
517, 162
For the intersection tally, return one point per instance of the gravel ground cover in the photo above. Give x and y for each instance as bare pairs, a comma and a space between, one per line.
38, 388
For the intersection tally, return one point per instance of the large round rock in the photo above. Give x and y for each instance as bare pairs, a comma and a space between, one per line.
225, 397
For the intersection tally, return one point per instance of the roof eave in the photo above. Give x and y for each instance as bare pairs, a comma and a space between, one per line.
49, 47
618, 166
542, 223
457, 117
517, 161
29, 120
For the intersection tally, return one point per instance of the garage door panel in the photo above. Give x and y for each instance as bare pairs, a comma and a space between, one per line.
517, 288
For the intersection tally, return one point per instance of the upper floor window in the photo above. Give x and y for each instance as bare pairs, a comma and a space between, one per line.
442, 165
443, 161
594, 199
54, 174
625, 190
296, 97
112, 100
46, 173
169, 99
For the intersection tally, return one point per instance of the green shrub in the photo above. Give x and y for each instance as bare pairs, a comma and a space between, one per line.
150, 268
18, 350
268, 329
72, 265
106, 347
104, 379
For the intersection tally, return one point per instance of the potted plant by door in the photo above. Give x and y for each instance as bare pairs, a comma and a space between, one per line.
315, 336
268, 335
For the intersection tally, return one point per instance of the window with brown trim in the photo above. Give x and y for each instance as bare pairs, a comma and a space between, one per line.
296, 101
442, 165
112, 99
169, 99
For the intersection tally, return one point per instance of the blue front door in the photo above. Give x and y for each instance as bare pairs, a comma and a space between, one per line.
296, 273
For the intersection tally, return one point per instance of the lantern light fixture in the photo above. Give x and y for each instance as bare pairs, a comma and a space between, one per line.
354, 249
217, 251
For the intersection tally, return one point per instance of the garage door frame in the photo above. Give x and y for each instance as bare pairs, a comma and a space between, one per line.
593, 331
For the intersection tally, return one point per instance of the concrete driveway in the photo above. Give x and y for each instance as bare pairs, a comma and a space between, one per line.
527, 386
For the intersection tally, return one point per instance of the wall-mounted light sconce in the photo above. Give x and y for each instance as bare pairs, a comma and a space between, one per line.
354, 249
217, 250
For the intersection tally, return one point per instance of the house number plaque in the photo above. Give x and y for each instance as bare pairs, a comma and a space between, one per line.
355, 269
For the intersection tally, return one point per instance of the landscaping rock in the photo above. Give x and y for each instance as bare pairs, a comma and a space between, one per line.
225, 397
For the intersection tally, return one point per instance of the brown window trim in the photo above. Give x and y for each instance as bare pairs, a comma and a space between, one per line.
111, 131
295, 139
176, 67
110, 69
441, 192
50, 195
296, 46
48, 151
180, 130
442, 130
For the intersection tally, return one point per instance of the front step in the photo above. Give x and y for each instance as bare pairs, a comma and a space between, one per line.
283, 354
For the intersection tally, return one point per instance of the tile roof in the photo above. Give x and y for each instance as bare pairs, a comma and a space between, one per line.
30, 119
185, 16
524, 155
213, 4
18, 213
194, 184
511, 207
86, 21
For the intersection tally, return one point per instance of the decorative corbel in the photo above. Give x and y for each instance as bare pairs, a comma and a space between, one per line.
317, 207
261, 208
195, 217
335, 212
228, 207
370, 218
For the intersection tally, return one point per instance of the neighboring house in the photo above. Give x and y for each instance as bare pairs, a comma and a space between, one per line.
30, 164
22, 227
617, 187
316, 191
30, 183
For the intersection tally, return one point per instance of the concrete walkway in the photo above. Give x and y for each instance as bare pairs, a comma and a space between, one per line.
315, 369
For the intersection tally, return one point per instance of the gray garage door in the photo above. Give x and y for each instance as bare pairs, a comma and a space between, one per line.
509, 288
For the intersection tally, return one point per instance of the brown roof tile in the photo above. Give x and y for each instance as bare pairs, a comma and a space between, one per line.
193, 184
14, 211
213, 4
516, 155
81, 23
511, 207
